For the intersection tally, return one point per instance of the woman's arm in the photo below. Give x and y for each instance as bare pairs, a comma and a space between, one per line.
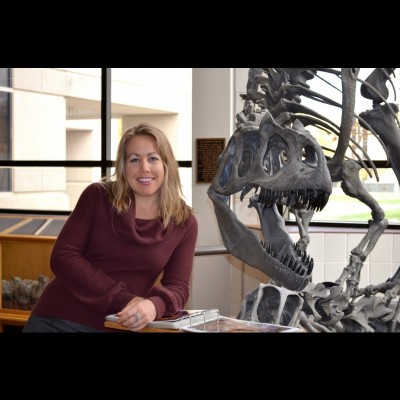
174, 292
86, 282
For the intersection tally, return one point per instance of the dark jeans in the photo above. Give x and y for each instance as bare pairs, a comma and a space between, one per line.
38, 324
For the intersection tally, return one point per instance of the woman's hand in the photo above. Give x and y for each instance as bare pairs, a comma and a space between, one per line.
137, 314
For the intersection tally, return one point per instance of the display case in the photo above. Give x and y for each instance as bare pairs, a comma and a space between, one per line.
26, 243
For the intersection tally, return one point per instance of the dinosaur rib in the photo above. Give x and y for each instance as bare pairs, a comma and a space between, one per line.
349, 80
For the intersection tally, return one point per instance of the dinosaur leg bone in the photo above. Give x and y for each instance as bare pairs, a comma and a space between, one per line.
353, 187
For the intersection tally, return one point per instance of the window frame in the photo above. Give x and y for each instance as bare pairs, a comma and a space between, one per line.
105, 163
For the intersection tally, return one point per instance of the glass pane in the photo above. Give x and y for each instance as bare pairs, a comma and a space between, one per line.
161, 96
185, 175
56, 114
342, 208
47, 188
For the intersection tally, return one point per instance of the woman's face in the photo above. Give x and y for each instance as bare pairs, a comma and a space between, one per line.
144, 167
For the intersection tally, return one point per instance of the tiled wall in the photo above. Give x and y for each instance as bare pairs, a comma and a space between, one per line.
330, 251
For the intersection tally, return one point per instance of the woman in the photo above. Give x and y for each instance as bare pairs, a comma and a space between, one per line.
123, 233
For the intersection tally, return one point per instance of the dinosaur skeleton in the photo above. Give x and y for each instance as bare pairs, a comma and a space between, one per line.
272, 153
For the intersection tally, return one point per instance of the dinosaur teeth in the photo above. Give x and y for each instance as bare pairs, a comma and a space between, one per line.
246, 190
311, 199
302, 265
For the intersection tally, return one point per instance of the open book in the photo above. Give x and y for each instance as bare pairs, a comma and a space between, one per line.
179, 319
183, 318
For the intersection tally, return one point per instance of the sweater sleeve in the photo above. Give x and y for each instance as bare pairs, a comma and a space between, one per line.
87, 283
174, 292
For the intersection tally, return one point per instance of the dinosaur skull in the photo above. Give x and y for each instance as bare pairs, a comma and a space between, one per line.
284, 166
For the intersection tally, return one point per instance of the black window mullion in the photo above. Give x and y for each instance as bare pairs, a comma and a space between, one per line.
105, 121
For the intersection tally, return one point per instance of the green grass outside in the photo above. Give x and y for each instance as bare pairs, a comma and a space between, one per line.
344, 208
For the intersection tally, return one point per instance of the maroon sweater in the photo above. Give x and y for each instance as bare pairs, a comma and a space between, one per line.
102, 259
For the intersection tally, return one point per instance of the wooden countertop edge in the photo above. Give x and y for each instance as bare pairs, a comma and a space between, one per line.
116, 325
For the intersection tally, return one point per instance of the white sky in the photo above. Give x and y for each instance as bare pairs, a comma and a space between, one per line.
334, 113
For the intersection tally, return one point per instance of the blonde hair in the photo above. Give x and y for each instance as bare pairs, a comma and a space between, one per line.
171, 204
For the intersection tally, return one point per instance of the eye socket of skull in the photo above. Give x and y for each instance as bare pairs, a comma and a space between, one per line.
276, 155
310, 157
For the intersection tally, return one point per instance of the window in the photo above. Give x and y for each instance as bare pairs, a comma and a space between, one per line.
66, 123
340, 207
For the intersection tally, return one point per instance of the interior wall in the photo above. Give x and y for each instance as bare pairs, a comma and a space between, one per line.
212, 109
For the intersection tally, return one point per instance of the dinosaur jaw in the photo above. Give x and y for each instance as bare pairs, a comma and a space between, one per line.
277, 256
